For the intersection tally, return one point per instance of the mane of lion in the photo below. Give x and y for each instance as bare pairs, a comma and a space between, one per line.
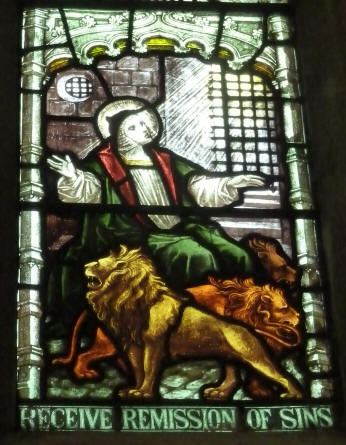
243, 297
129, 288
245, 303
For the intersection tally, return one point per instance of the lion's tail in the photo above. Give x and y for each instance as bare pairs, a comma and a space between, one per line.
73, 346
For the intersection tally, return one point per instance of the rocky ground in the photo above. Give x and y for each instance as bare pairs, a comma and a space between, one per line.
181, 381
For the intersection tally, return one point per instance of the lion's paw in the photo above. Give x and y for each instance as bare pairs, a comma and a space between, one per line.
214, 394
133, 393
89, 374
122, 393
139, 394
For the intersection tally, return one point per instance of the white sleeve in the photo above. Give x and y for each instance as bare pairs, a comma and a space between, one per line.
212, 192
86, 188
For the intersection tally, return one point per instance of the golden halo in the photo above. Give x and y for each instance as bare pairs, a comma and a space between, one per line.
119, 105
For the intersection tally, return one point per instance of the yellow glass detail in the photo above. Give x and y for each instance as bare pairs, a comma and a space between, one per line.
57, 65
97, 51
160, 43
135, 162
264, 69
225, 54
121, 44
194, 46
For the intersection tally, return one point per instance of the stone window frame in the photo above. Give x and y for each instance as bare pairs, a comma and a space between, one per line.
9, 308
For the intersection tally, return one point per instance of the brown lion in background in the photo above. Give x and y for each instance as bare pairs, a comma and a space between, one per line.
264, 308
272, 258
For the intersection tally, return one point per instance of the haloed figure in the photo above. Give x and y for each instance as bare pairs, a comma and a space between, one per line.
131, 169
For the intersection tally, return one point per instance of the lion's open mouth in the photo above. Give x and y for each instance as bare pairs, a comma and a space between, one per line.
285, 335
288, 334
93, 282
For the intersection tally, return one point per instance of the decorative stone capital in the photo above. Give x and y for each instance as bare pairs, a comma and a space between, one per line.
34, 27
279, 27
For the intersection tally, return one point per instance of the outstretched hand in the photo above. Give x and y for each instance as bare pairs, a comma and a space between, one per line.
63, 166
247, 181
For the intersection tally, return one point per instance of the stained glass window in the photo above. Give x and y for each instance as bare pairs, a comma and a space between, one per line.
169, 274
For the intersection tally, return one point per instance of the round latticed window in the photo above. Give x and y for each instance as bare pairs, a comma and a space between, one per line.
74, 88
79, 87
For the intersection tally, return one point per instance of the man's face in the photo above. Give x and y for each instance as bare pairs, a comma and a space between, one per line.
138, 129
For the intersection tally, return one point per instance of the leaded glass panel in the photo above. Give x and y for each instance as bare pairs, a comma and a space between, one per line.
169, 276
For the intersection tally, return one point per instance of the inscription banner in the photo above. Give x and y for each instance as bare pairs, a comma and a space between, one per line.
175, 418
288, 418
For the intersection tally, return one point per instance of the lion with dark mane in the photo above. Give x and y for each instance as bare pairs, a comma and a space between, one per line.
272, 258
151, 322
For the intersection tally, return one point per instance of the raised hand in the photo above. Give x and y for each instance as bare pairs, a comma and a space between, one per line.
64, 167
246, 181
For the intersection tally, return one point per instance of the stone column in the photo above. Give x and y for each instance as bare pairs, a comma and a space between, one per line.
29, 305
287, 80
315, 315
33, 70
317, 349
31, 188
318, 356
279, 27
307, 253
34, 27
30, 224
299, 175
28, 344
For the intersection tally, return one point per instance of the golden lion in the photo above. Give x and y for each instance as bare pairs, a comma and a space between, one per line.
152, 322
264, 308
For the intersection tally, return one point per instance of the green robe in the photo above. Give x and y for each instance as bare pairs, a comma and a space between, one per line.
184, 256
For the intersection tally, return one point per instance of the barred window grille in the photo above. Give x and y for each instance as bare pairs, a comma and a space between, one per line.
79, 87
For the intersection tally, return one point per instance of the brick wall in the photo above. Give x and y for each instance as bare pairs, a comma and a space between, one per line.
72, 136
132, 76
